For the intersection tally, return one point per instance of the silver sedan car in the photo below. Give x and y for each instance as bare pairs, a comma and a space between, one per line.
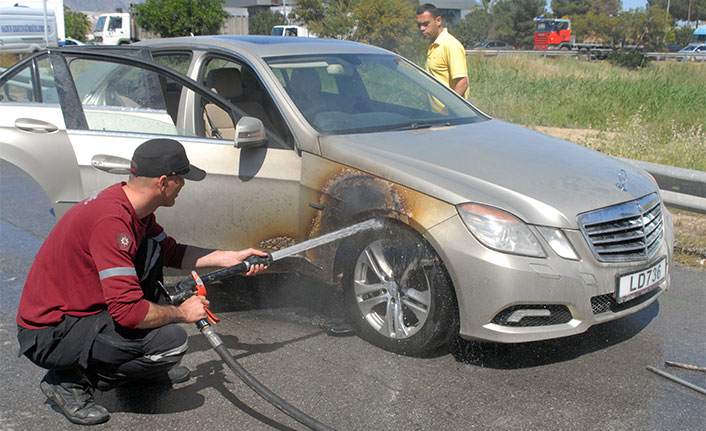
489, 230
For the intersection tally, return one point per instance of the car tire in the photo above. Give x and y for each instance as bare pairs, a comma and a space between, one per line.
397, 292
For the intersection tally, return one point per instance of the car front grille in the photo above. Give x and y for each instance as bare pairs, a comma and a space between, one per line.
627, 232
604, 303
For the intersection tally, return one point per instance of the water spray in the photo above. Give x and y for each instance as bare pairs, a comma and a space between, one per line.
195, 285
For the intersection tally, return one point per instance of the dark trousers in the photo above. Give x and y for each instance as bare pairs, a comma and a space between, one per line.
104, 353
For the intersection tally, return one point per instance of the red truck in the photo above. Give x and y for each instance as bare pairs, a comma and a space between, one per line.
555, 34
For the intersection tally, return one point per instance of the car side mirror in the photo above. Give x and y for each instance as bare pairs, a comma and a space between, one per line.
249, 133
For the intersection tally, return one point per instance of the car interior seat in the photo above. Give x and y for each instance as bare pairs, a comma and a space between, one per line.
228, 83
225, 82
305, 89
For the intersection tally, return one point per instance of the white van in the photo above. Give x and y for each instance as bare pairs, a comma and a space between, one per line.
22, 30
291, 30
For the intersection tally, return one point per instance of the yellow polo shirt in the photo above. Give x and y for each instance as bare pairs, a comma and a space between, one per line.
446, 59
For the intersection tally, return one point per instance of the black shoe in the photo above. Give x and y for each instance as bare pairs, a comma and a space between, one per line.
74, 398
178, 374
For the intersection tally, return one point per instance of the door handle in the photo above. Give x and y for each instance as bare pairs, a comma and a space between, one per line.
111, 164
36, 126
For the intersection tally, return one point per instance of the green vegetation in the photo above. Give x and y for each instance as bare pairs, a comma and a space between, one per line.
263, 21
76, 24
655, 114
171, 18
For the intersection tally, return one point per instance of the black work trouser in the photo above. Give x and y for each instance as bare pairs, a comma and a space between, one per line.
107, 354
102, 353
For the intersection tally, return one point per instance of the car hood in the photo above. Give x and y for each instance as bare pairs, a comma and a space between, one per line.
541, 179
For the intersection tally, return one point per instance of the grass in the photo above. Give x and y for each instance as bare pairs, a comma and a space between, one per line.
690, 238
7, 60
656, 114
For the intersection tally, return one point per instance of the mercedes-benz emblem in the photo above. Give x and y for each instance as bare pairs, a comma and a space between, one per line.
622, 180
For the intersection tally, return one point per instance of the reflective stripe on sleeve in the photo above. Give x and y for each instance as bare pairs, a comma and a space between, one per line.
114, 272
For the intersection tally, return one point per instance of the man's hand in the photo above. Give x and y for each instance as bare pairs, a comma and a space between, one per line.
196, 257
190, 311
194, 309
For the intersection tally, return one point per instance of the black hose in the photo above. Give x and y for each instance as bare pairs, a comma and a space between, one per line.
223, 273
274, 399
267, 394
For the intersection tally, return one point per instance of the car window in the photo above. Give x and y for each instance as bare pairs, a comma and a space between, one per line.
178, 61
27, 87
115, 23
124, 98
240, 85
353, 93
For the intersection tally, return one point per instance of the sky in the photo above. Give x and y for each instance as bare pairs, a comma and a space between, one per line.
634, 4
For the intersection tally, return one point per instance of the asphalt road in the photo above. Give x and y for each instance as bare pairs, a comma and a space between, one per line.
593, 381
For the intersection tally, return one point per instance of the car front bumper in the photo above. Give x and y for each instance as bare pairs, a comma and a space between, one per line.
511, 299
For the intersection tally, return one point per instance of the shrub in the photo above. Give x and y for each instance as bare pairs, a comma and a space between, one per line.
629, 59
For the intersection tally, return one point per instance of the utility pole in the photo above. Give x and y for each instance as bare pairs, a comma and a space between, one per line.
688, 17
46, 23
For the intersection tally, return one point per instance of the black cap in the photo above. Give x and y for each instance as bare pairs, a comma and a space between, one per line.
157, 157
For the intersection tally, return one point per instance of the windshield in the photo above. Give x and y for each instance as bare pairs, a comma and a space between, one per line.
363, 93
100, 24
698, 38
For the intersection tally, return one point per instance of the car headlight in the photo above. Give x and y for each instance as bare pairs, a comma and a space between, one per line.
500, 230
558, 242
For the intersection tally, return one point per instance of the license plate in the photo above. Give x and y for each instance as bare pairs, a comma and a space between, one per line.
631, 285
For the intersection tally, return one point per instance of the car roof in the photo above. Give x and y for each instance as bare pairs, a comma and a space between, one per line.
268, 46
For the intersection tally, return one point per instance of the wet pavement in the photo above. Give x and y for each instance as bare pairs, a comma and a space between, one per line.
273, 327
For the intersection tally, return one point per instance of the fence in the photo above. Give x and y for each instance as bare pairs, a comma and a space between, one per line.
680, 188
659, 56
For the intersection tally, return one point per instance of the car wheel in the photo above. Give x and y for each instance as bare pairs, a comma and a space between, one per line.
398, 294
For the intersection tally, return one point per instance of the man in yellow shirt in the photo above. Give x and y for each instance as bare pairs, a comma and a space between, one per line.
446, 57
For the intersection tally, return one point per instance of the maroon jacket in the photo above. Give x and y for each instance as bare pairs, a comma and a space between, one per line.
86, 263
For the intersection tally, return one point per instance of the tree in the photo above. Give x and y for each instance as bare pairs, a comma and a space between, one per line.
263, 22
327, 18
513, 21
475, 27
386, 23
684, 10
170, 18
574, 8
562, 8
607, 7
76, 24
640, 27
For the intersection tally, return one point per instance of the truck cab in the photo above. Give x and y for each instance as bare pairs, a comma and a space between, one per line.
113, 29
550, 33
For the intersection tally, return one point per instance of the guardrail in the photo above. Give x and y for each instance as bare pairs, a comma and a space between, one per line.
659, 56
680, 188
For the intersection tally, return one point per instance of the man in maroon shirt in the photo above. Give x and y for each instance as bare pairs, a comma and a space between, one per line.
88, 311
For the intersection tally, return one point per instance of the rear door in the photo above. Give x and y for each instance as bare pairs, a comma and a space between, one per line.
33, 134
249, 196
106, 103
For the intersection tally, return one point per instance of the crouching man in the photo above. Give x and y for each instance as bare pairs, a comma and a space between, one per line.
89, 311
